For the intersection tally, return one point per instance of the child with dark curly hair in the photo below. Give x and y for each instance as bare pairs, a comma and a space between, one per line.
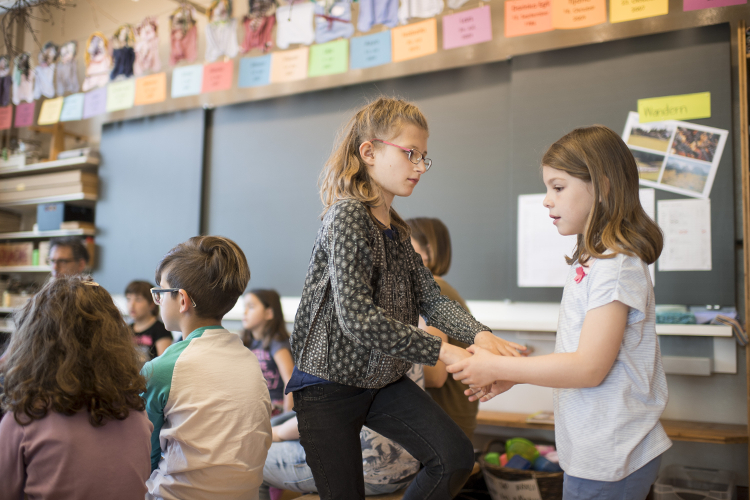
75, 425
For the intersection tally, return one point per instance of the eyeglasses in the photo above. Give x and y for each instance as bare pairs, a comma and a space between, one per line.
415, 156
62, 262
156, 294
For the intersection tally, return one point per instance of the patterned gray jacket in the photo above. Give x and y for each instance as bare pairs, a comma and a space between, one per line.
363, 295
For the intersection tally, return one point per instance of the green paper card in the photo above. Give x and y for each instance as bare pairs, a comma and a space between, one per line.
329, 58
120, 95
675, 107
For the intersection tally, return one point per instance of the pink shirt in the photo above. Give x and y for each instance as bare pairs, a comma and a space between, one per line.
65, 457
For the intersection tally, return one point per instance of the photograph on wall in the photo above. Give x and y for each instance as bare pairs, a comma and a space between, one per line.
675, 156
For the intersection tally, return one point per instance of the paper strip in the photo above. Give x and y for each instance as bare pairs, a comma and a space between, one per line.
329, 58
414, 40
255, 71
217, 76
187, 80
289, 65
120, 95
6, 117
95, 102
50, 111
25, 114
72, 108
370, 50
628, 10
526, 17
468, 27
151, 89
675, 107
575, 14
707, 4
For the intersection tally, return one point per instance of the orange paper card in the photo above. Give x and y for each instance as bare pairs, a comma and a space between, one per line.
574, 14
217, 76
414, 40
289, 65
6, 117
151, 89
526, 17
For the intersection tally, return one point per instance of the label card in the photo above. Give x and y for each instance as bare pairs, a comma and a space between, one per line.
370, 50
289, 65
329, 58
187, 80
675, 107
72, 108
50, 112
707, 4
25, 114
95, 102
120, 95
467, 28
255, 71
217, 76
414, 40
628, 10
526, 17
574, 14
6, 117
151, 89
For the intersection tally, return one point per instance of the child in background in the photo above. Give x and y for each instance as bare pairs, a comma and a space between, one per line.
206, 395
355, 332
265, 334
432, 241
75, 426
150, 335
610, 387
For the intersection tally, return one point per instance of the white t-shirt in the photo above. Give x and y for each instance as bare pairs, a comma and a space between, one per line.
607, 432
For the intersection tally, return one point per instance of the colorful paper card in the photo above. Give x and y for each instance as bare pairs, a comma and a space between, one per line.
255, 71
217, 76
329, 58
25, 114
467, 28
151, 89
628, 10
574, 14
6, 117
707, 4
370, 50
50, 111
187, 80
675, 107
526, 17
289, 65
120, 95
414, 40
72, 108
95, 102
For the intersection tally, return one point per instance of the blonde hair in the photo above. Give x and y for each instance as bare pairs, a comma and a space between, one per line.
345, 174
99, 34
617, 220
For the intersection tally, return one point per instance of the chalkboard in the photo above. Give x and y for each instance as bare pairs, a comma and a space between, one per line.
489, 126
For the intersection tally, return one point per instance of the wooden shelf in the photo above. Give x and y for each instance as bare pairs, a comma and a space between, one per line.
51, 166
7, 310
86, 198
25, 269
32, 235
679, 430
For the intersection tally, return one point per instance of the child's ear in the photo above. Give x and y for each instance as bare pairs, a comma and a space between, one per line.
367, 152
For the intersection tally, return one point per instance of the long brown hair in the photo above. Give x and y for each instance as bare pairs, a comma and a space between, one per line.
617, 220
433, 236
275, 328
345, 175
71, 351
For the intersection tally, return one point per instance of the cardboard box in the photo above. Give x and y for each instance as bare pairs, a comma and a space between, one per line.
50, 216
46, 185
44, 253
16, 254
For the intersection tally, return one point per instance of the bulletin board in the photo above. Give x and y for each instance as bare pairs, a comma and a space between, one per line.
489, 127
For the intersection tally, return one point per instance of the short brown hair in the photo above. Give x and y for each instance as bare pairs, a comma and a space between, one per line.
433, 236
75, 244
71, 351
142, 288
213, 271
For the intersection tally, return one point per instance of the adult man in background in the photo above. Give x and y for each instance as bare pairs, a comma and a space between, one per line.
67, 256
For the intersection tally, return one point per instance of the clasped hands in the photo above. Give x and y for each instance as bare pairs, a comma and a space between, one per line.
475, 365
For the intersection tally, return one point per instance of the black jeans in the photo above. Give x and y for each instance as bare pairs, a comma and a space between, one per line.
331, 416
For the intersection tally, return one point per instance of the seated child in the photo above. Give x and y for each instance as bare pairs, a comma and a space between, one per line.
265, 334
206, 395
75, 426
149, 333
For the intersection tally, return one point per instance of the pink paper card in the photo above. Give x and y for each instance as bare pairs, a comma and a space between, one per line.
707, 4
217, 76
467, 28
6, 117
25, 114
526, 17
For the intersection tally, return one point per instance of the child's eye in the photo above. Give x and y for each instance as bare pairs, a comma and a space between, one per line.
558, 188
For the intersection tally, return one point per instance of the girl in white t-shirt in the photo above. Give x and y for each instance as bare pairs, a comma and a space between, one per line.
610, 387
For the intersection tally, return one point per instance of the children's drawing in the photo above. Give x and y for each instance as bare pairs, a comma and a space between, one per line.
147, 47
67, 69
23, 79
259, 23
6, 81
123, 54
333, 19
183, 35
44, 73
98, 62
221, 31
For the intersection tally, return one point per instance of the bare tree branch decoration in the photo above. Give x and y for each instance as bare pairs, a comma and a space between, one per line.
21, 14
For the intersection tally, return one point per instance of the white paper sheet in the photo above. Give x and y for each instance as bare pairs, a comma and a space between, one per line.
512, 490
541, 249
687, 235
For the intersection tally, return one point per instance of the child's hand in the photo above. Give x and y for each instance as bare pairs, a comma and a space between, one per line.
496, 345
477, 370
484, 394
450, 354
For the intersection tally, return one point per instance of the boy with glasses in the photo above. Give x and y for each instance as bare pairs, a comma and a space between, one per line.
206, 396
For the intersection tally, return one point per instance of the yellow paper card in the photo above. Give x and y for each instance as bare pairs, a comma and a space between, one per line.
414, 40
289, 65
151, 89
120, 95
574, 14
675, 107
628, 10
50, 112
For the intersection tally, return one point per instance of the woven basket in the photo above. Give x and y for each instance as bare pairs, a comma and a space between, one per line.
550, 484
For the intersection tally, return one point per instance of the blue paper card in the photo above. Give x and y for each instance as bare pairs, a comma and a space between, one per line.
187, 80
72, 108
255, 71
370, 50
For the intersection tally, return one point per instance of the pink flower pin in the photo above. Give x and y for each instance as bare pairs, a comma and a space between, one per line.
579, 274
